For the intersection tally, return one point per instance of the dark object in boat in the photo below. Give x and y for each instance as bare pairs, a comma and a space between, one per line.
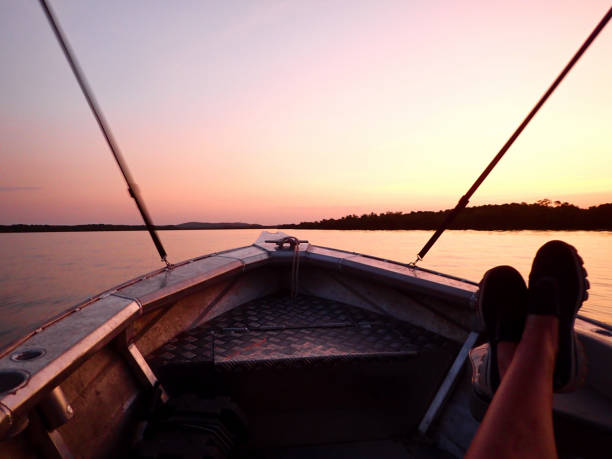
189, 426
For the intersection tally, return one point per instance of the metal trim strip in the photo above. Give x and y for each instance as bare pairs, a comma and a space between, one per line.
447, 384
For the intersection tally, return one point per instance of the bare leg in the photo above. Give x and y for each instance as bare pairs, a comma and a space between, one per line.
519, 420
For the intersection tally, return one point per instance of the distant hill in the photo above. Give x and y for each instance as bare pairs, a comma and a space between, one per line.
233, 225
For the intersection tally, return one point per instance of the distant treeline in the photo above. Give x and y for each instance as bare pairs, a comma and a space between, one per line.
542, 215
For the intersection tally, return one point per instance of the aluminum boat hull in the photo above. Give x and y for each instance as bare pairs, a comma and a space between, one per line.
81, 385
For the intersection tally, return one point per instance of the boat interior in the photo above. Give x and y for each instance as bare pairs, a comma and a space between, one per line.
309, 371
281, 349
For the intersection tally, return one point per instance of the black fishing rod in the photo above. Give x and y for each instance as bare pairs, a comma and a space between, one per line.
463, 202
110, 140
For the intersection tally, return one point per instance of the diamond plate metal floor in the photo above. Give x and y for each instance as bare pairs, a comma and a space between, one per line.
281, 331
309, 371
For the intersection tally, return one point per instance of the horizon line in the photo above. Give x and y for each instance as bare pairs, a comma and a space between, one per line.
542, 202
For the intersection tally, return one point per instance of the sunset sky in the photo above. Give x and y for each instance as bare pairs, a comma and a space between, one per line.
286, 111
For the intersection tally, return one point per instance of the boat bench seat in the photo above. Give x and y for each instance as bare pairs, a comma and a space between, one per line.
342, 372
284, 332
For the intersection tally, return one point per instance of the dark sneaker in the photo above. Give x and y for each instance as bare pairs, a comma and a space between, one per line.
558, 286
502, 304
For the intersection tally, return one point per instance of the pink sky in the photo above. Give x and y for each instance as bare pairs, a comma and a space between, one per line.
274, 112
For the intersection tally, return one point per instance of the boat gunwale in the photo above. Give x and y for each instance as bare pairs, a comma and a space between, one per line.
56, 364
399, 263
272, 254
103, 294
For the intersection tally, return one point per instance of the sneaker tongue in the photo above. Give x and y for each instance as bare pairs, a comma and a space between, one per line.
544, 297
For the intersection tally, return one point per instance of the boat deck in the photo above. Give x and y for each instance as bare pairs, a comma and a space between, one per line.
310, 371
280, 331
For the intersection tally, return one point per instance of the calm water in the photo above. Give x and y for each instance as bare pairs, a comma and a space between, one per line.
43, 274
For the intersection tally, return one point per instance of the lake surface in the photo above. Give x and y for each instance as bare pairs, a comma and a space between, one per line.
43, 274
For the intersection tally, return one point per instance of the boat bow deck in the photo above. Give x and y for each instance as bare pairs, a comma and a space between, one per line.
279, 330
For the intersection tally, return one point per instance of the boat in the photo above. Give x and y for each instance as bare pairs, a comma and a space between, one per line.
280, 349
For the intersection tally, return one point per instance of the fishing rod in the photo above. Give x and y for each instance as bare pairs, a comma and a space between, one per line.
463, 202
110, 140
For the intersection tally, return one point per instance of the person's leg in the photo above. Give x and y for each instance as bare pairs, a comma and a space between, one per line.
518, 422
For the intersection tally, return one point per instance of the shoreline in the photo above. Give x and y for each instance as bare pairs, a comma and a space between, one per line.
542, 215
278, 227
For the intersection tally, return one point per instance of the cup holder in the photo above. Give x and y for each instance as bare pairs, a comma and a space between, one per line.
28, 354
11, 380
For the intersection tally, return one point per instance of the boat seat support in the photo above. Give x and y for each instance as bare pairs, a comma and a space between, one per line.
448, 383
139, 365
